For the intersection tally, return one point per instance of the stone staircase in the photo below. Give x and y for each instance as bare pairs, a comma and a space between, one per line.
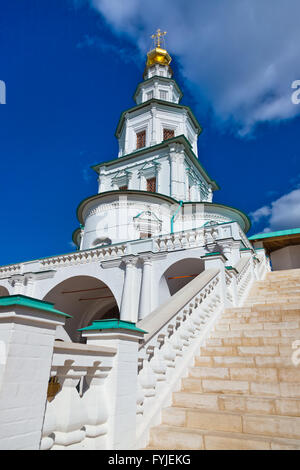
243, 391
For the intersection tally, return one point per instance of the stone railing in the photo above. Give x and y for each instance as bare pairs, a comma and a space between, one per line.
10, 269
230, 279
244, 278
175, 332
263, 265
207, 234
77, 407
87, 256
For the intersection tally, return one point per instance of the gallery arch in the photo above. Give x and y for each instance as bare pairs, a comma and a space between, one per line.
178, 275
86, 299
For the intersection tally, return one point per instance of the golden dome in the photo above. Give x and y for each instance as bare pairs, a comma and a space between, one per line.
158, 55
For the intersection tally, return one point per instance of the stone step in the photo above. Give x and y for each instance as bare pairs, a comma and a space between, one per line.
172, 438
256, 317
242, 387
244, 361
239, 403
280, 300
267, 425
262, 322
250, 374
277, 290
284, 272
266, 350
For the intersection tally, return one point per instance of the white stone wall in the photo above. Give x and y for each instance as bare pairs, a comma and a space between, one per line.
153, 119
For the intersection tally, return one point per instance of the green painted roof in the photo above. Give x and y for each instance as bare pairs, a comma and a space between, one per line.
30, 302
113, 324
213, 253
280, 233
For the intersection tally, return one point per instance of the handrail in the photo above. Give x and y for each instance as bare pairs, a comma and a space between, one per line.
163, 314
67, 347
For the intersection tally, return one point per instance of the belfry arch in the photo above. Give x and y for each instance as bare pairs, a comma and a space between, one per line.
86, 299
178, 275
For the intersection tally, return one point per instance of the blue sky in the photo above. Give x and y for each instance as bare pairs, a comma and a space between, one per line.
71, 67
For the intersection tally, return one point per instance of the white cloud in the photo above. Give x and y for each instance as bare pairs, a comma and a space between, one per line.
260, 213
242, 55
283, 213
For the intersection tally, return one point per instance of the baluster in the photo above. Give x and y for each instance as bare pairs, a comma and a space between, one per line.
158, 366
49, 427
139, 402
147, 380
69, 411
95, 403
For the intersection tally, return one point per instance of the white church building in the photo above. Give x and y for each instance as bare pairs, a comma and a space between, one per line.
95, 343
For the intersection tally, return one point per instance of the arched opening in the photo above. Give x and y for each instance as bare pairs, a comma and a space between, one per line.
3, 291
178, 275
86, 299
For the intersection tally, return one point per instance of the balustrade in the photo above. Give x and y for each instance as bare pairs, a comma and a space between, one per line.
73, 421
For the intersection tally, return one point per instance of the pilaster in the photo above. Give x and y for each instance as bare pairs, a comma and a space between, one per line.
128, 305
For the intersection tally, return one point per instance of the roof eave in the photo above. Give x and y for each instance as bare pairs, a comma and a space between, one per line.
180, 138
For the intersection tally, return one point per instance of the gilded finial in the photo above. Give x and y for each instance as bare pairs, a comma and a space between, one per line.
158, 55
158, 36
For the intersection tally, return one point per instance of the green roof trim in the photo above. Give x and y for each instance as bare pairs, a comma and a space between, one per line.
113, 324
30, 302
231, 268
181, 139
241, 213
161, 102
214, 253
158, 77
280, 233
170, 199
246, 249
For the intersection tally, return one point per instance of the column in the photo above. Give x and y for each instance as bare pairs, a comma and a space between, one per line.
27, 333
145, 293
128, 308
173, 171
181, 174
122, 381
154, 130
177, 171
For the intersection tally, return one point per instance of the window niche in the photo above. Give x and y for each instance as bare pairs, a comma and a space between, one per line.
168, 133
121, 180
149, 177
141, 139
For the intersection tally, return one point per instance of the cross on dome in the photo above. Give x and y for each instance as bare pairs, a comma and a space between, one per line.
158, 36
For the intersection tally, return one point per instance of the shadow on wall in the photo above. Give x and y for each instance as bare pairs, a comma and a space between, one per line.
86, 299
178, 275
